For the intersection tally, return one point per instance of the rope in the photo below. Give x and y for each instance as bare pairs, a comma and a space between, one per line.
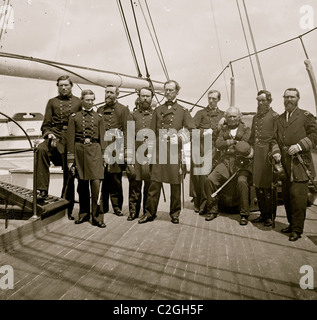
126, 29
273, 46
218, 43
254, 47
5, 19
140, 41
158, 44
246, 42
260, 51
209, 87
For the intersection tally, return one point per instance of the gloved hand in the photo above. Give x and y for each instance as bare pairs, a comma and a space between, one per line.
276, 157
294, 149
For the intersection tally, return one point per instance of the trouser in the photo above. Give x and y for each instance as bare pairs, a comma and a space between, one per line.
44, 158
267, 202
200, 200
217, 178
154, 197
135, 195
88, 200
295, 196
112, 188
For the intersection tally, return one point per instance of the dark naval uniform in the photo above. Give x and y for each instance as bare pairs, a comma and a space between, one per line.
229, 162
167, 116
204, 119
301, 129
55, 121
85, 144
263, 141
115, 117
142, 119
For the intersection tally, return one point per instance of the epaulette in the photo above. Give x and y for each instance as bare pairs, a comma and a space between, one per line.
73, 114
275, 115
100, 115
306, 113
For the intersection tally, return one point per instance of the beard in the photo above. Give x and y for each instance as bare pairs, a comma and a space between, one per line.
263, 109
109, 101
290, 106
145, 105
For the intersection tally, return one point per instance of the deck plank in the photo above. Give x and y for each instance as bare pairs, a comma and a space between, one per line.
194, 260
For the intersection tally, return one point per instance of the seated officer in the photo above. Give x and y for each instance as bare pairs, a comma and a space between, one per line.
235, 155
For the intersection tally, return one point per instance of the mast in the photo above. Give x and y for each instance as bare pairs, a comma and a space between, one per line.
28, 67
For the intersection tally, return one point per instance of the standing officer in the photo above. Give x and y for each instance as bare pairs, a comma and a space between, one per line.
139, 172
115, 117
296, 136
168, 119
229, 138
85, 144
265, 147
53, 148
207, 120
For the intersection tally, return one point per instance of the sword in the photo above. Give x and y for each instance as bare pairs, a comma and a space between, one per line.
301, 161
230, 179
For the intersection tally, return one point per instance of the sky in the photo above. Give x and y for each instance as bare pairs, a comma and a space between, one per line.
198, 39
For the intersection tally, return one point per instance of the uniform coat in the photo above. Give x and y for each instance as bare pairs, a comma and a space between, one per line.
228, 164
87, 157
300, 129
115, 117
206, 118
176, 117
263, 141
142, 119
167, 116
86, 146
57, 113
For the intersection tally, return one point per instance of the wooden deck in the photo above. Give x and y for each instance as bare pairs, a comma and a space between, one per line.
194, 260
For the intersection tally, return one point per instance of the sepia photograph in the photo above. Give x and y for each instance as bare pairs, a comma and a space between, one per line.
157, 155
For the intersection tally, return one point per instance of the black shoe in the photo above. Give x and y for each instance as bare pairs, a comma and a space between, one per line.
175, 220
294, 236
243, 221
258, 219
100, 224
196, 210
145, 219
131, 217
70, 217
202, 212
42, 195
211, 216
286, 230
81, 220
118, 213
268, 222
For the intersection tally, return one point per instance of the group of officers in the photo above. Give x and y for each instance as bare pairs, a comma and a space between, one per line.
93, 147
